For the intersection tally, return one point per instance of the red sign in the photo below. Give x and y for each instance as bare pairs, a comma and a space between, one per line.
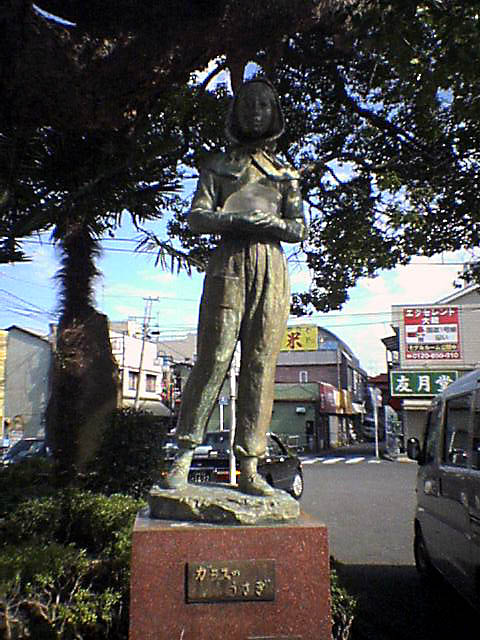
432, 333
328, 403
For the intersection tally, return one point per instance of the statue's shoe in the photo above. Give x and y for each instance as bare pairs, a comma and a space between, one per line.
255, 485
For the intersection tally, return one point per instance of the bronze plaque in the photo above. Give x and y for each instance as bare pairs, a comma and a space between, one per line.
231, 581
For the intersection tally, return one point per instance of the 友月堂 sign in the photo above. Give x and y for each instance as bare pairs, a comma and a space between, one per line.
420, 383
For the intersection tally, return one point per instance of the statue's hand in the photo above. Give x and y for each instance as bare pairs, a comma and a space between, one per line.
256, 219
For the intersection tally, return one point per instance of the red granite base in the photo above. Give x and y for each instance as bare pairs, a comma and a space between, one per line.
298, 552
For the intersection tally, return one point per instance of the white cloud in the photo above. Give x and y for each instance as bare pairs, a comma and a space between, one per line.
299, 279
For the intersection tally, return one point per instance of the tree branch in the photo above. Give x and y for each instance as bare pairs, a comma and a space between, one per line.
373, 118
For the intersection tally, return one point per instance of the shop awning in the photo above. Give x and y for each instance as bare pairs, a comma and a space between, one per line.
152, 406
417, 405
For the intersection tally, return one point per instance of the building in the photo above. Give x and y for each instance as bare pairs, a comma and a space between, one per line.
181, 349
320, 387
319, 391
146, 378
434, 344
318, 367
25, 360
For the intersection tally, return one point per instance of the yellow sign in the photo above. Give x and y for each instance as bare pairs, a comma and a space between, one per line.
301, 338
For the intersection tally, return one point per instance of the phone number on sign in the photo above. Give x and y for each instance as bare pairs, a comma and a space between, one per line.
433, 356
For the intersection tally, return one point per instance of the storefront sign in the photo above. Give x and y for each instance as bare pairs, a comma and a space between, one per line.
301, 338
432, 333
420, 383
329, 398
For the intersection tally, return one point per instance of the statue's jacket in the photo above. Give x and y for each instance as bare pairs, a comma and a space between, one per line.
224, 174
250, 179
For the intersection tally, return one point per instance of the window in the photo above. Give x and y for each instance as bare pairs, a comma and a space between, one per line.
303, 376
457, 419
432, 433
151, 383
350, 383
274, 450
117, 345
133, 380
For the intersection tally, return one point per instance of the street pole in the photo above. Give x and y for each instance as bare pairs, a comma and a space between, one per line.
233, 417
220, 407
377, 402
146, 321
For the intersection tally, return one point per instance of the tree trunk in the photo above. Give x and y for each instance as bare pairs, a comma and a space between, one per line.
84, 392
84, 379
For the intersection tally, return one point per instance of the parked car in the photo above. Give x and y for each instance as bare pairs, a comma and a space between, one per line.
25, 449
447, 520
280, 466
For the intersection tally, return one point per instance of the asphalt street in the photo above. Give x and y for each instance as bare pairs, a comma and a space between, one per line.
368, 506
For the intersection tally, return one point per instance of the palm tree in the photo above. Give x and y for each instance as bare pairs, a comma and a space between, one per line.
84, 377
80, 185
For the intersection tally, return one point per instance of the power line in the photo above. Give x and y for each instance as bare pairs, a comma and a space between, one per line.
107, 249
291, 259
37, 284
326, 318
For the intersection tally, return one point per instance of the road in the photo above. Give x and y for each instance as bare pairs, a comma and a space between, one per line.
369, 507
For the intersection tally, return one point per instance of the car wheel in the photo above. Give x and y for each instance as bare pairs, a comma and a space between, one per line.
297, 486
422, 558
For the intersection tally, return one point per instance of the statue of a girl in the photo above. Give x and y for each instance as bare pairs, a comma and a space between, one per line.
252, 200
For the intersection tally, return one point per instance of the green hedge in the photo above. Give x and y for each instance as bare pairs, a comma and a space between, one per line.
343, 608
54, 591
65, 566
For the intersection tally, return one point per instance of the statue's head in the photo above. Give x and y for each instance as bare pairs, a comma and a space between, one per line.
255, 115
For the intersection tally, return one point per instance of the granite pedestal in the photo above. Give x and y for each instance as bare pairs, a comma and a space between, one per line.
195, 581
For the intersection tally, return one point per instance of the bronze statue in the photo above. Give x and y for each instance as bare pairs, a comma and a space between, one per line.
252, 200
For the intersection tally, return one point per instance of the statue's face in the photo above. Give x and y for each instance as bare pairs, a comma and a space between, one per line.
254, 110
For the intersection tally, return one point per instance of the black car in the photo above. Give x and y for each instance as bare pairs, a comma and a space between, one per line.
25, 449
280, 467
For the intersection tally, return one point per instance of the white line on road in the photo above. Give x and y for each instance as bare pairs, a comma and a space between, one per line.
311, 460
375, 461
333, 460
354, 460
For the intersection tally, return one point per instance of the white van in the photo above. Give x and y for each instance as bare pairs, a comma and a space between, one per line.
447, 521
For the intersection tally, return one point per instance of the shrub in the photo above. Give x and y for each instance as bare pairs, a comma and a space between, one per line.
343, 608
65, 567
89, 520
130, 457
29, 479
48, 591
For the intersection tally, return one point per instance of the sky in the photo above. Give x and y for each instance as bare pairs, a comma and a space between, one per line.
29, 294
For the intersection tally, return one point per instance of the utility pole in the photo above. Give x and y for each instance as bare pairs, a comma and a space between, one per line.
146, 322
233, 414
377, 402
